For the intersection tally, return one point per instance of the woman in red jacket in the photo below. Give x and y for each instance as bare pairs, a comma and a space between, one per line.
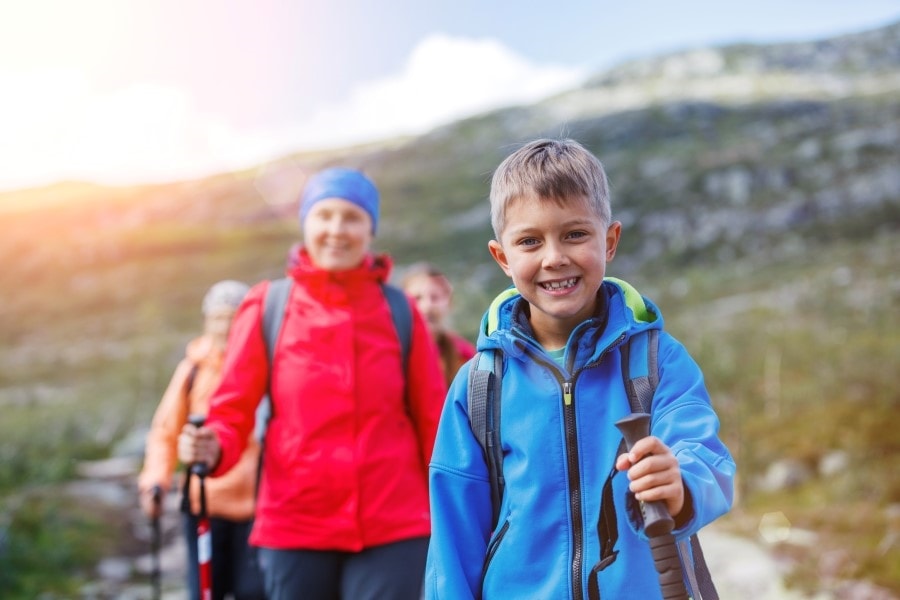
342, 510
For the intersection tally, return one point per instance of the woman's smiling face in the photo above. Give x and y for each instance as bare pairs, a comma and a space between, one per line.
337, 234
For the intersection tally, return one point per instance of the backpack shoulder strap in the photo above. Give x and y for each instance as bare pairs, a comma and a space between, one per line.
483, 397
402, 316
274, 307
640, 376
640, 370
189, 381
273, 312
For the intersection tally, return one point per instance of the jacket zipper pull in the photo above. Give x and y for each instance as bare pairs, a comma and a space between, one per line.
567, 393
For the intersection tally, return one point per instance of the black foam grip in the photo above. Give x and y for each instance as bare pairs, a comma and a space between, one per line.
668, 567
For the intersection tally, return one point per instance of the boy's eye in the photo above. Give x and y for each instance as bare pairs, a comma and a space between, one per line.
528, 242
577, 234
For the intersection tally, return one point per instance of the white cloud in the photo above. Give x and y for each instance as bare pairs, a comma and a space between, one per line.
58, 125
444, 79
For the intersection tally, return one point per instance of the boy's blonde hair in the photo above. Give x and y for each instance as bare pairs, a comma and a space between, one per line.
551, 170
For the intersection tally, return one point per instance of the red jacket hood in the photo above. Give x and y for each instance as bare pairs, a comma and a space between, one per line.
301, 268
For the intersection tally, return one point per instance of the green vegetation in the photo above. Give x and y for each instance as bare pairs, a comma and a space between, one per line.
50, 545
801, 358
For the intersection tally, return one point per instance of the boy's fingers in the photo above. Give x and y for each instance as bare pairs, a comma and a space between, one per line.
645, 447
656, 465
660, 492
651, 479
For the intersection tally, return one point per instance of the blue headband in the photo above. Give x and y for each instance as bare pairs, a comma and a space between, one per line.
347, 184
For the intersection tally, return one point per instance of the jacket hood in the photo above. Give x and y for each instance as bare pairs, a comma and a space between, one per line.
627, 309
373, 266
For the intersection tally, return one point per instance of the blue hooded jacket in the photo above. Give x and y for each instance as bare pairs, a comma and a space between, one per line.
559, 445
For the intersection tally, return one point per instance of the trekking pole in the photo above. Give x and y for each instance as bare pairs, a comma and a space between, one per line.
155, 572
658, 524
204, 535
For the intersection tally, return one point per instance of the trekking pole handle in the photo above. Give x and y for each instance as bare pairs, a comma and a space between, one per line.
658, 523
199, 469
657, 520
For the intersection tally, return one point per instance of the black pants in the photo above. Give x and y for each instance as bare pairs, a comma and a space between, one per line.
390, 572
235, 569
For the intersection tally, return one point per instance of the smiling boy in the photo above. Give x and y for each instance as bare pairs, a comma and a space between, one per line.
559, 333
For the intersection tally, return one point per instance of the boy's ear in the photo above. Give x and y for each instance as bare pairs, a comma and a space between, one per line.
613, 232
499, 255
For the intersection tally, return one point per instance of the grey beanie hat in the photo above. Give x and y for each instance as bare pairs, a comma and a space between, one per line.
224, 294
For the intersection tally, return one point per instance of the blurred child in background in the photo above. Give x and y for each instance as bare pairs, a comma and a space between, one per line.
433, 293
230, 498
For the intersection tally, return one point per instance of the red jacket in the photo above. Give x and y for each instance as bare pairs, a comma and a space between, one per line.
346, 455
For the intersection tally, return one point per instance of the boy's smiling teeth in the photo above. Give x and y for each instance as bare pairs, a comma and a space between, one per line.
561, 284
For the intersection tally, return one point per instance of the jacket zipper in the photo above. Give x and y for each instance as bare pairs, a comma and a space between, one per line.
574, 489
574, 480
572, 453
492, 550
571, 441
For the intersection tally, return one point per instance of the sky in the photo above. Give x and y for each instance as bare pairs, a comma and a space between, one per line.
132, 91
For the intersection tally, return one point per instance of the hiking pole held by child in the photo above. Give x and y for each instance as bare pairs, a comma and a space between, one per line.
204, 534
658, 524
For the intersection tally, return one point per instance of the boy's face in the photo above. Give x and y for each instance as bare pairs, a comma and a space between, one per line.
556, 255
337, 234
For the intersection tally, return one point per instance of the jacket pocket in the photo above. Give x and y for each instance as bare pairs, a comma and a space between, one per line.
492, 549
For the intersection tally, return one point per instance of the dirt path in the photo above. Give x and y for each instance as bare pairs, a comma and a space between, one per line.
742, 569
127, 576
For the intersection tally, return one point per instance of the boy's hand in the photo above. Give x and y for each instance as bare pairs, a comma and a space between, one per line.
199, 445
654, 473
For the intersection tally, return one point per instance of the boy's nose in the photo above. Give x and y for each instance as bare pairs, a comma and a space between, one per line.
554, 257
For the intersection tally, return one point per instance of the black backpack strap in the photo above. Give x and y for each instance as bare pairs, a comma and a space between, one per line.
274, 308
700, 572
637, 388
401, 313
484, 386
640, 370
189, 382
273, 312
640, 373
